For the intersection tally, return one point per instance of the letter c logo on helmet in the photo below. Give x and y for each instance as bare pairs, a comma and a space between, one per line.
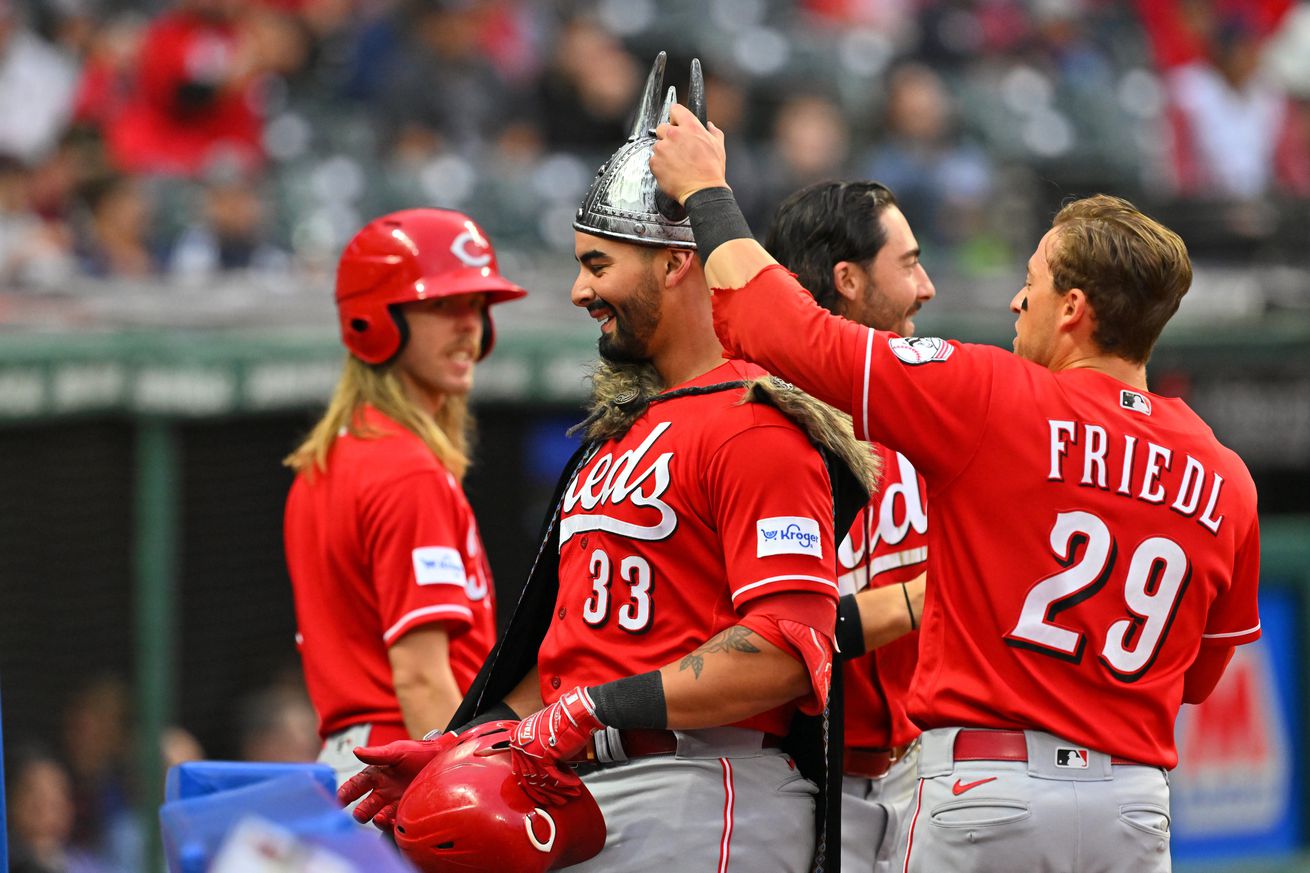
459, 248
528, 825
414, 254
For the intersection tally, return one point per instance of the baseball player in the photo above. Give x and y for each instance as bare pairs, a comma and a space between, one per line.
394, 599
1095, 549
851, 247
683, 605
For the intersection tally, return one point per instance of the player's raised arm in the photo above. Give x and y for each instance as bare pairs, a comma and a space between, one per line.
759, 309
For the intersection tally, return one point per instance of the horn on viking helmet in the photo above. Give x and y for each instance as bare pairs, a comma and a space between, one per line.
624, 201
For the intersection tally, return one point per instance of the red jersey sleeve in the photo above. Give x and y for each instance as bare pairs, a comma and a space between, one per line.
413, 545
893, 387
774, 538
1234, 618
775, 323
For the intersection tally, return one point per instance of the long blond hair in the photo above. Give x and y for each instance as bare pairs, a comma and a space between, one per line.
449, 434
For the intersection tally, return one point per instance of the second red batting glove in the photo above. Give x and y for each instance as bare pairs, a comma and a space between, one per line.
543, 744
391, 769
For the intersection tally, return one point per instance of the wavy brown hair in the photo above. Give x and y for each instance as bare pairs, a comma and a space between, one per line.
449, 434
1133, 269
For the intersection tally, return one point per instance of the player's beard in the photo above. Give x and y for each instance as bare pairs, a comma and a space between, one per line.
880, 313
634, 323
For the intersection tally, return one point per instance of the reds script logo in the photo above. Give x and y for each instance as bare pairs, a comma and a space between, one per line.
609, 483
900, 510
460, 247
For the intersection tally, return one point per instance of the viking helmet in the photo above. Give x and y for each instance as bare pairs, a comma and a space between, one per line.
625, 202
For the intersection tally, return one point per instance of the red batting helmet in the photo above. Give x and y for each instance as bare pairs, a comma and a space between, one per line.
465, 813
414, 254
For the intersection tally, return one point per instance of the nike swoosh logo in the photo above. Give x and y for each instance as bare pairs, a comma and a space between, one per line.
960, 787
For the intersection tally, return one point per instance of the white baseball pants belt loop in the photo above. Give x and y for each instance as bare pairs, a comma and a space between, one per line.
612, 746
1046, 756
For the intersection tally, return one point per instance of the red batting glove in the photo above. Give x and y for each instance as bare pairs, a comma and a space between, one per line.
544, 743
391, 769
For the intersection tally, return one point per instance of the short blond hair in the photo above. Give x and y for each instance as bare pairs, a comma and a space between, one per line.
1133, 269
448, 434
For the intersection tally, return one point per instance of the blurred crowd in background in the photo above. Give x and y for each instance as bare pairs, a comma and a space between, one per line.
73, 799
181, 140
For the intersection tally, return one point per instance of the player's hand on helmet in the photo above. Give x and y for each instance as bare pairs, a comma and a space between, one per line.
543, 744
390, 770
689, 156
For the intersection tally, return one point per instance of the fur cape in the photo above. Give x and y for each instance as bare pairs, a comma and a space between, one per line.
622, 392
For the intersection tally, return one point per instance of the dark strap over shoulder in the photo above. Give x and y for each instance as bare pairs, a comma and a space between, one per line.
515, 654
816, 741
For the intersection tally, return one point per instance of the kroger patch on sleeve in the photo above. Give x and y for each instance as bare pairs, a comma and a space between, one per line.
438, 565
788, 535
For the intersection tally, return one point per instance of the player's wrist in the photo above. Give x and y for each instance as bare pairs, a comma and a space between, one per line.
715, 219
699, 186
914, 621
850, 628
632, 702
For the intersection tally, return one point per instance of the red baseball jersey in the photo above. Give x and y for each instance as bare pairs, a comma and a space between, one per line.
887, 545
669, 531
1087, 538
382, 543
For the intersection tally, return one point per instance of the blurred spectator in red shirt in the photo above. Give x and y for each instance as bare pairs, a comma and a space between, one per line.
108, 70
1236, 132
1182, 31
196, 97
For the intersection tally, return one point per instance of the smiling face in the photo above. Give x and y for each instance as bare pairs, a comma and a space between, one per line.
897, 286
445, 336
1038, 306
619, 287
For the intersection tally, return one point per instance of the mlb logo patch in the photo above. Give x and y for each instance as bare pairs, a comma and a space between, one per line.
916, 350
1071, 759
1134, 401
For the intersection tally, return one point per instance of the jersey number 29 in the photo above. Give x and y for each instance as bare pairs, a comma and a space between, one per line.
1157, 576
635, 615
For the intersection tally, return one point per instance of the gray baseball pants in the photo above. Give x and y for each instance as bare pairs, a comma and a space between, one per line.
874, 813
1041, 815
721, 804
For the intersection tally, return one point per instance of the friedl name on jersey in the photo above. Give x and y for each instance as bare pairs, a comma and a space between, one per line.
607, 483
1135, 468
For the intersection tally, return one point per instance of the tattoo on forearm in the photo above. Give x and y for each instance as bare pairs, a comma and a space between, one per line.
734, 639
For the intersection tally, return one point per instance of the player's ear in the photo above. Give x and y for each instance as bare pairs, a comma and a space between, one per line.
848, 279
678, 265
1076, 309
